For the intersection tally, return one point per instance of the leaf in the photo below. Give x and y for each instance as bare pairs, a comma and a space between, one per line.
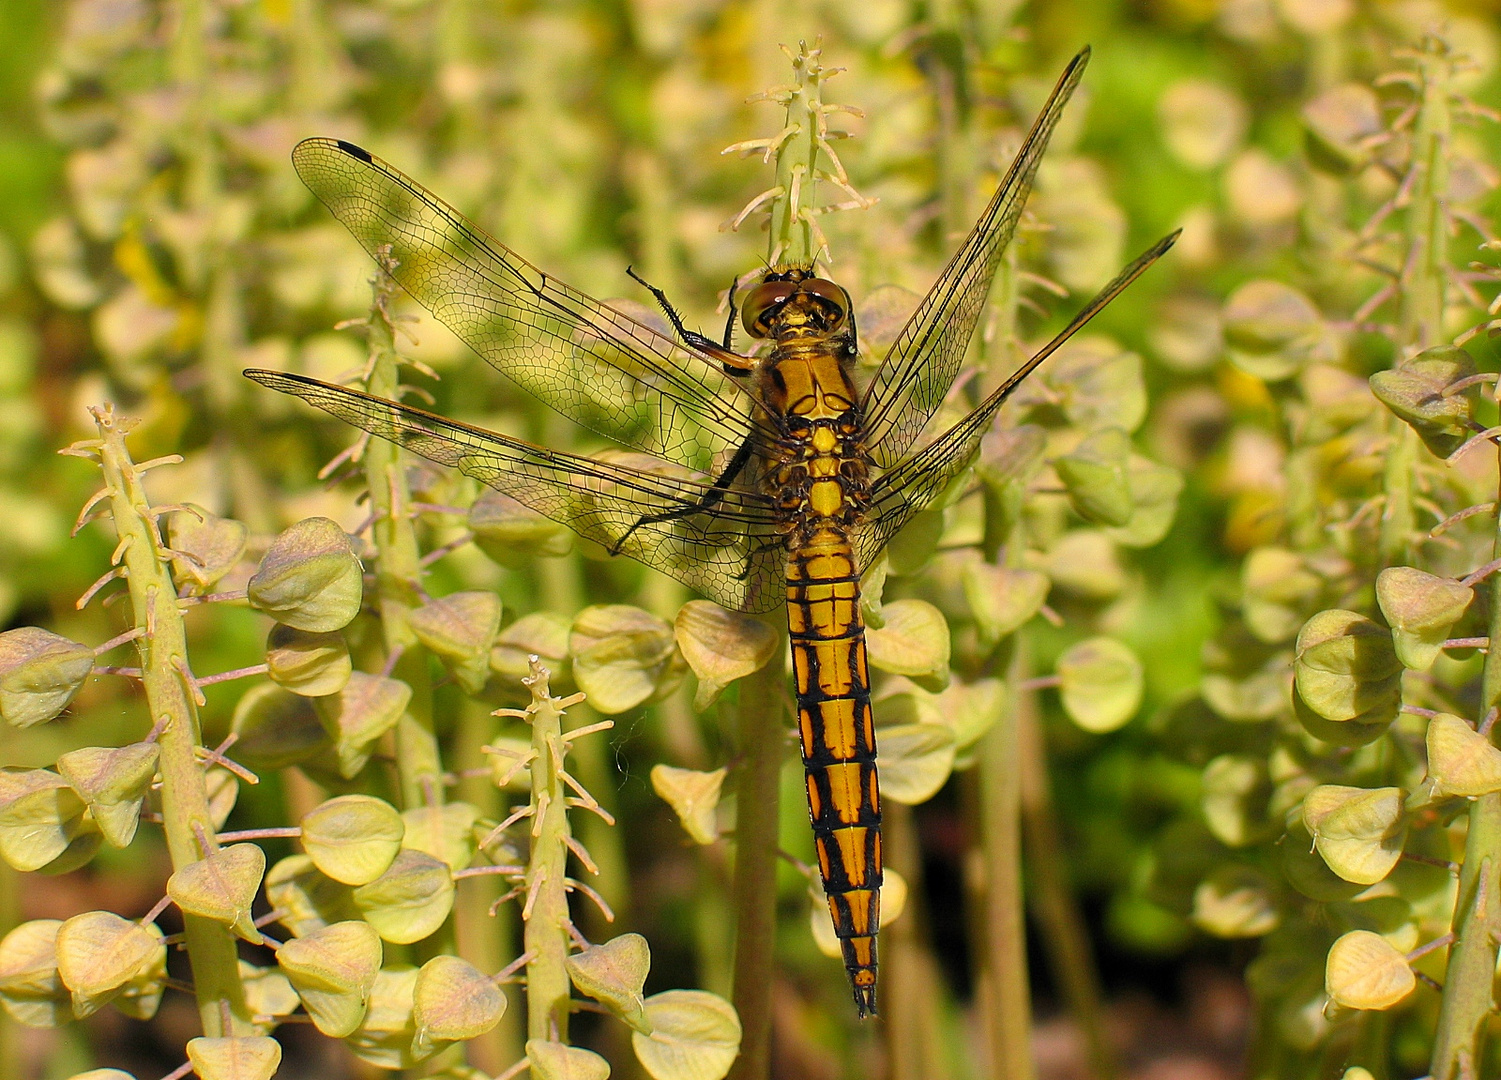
353, 838
222, 886
1461, 761
695, 1035
1236, 789
1358, 831
309, 578
694, 798
915, 761
410, 900
333, 969
614, 974
720, 646
1101, 684
914, 642
1421, 609
1365, 971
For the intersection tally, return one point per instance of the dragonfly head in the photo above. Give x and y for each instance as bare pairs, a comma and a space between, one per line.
795, 302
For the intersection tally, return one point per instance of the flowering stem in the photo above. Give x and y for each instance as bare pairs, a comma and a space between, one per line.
1467, 1000
763, 737
545, 907
162, 646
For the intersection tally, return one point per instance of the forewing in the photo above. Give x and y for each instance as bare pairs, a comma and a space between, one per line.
913, 484
592, 363
728, 550
921, 364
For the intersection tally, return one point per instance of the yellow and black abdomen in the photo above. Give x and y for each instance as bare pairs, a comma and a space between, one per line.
837, 732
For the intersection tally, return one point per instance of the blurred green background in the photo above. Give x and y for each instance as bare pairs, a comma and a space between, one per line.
154, 240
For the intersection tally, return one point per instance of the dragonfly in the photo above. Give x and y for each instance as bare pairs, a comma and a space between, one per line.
769, 478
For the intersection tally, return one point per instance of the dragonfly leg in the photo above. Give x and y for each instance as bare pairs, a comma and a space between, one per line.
732, 362
729, 323
712, 496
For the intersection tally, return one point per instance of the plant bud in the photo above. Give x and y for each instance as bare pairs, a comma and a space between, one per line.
720, 646
1413, 391
614, 974
1094, 475
694, 798
310, 578
1365, 971
460, 628
40, 673
452, 1000
1345, 668
510, 533
1340, 124
623, 656
333, 970
214, 543
1272, 330
1421, 609
312, 665
1101, 684
695, 1035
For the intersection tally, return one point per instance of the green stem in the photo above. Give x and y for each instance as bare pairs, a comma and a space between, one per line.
1062, 926
763, 737
163, 650
912, 993
794, 239
546, 904
1421, 311
1399, 521
1005, 993
1467, 999
398, 573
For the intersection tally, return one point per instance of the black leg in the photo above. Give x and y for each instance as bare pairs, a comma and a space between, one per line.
729, 323
713, 495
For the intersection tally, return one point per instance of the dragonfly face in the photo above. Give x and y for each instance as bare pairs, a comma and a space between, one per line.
777, 481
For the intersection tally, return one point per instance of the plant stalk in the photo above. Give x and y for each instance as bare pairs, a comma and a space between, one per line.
1467, 999
545, 908
163, 650
763, 739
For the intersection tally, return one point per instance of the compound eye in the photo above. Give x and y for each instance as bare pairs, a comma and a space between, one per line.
834, 299
763, 302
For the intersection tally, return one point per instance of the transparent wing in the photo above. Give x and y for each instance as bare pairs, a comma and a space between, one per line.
592, 363
722, 542
900, 492
921, 364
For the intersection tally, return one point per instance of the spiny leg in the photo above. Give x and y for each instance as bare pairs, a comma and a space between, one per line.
732, 362
713, 495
